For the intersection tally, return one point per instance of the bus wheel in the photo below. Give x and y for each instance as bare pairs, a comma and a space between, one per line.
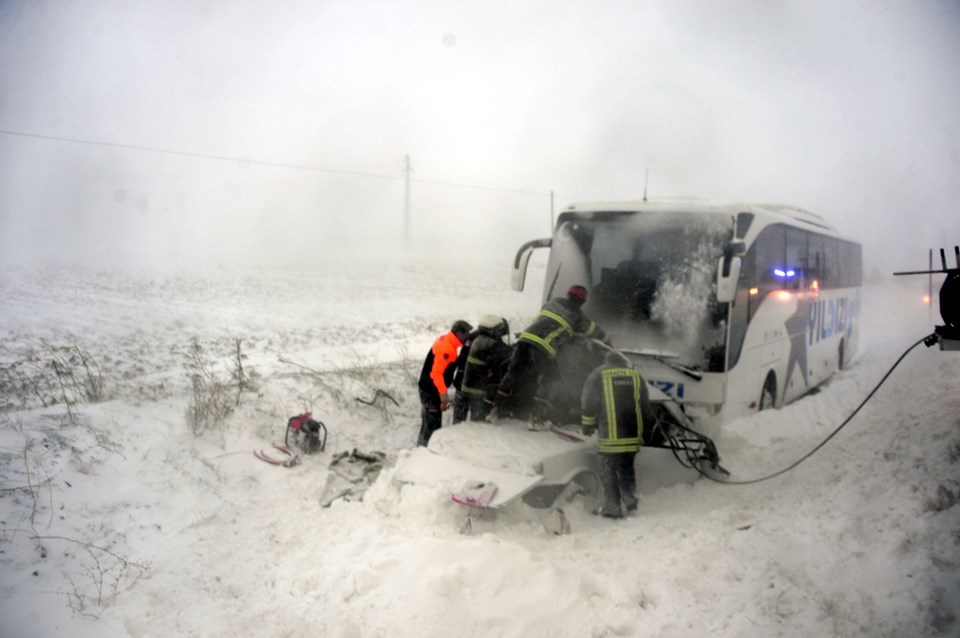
840, 356
768, 395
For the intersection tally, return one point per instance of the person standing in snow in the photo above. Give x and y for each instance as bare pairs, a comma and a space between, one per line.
535, 355
615, 403
436, 376
486, 362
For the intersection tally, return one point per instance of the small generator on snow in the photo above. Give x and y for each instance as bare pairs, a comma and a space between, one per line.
309, 434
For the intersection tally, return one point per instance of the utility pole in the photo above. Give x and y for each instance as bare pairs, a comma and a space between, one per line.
930, 289
406, 200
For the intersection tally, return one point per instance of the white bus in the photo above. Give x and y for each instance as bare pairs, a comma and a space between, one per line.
727, 308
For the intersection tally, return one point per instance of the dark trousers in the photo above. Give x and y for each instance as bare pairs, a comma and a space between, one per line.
528, 365
479, 407
619, 479
461, 406
471, 407
430, 417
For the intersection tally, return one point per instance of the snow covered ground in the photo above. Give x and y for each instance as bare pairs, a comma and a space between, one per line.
116, 520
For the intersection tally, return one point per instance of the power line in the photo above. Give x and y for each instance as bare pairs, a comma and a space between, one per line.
224, 158
482, 188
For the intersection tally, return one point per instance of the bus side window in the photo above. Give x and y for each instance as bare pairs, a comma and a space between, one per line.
815, 261
831, 262
850, 270
768, 258
770, 253
796, 258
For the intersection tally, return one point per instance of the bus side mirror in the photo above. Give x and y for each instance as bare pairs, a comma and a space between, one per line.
519, 275
728, 274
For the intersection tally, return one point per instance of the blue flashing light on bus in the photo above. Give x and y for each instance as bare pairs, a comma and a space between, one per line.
785, 273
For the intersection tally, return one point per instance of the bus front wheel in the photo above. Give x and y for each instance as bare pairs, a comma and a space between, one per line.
768, 395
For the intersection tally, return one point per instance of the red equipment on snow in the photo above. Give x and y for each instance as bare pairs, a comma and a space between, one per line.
306, 433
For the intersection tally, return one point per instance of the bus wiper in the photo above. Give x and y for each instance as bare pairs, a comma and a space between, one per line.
693, 374
554, 282
664, 359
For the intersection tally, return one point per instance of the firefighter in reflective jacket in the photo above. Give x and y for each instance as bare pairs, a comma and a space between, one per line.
436, 376
485, 367
616, 404
535, 354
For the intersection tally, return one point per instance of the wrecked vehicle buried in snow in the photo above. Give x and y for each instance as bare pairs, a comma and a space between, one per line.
493, 464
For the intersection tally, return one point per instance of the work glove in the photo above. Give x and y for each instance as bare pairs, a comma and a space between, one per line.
444, 402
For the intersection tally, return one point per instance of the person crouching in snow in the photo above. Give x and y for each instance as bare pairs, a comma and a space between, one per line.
616, 404
436, 376
486, 361
461, 402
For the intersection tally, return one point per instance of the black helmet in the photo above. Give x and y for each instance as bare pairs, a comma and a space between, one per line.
461, 326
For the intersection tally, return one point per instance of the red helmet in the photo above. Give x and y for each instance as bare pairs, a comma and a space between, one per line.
577, 294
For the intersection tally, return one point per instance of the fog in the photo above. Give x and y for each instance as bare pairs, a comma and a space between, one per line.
214, 133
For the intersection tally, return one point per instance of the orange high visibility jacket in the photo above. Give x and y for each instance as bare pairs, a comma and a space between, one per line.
438, 367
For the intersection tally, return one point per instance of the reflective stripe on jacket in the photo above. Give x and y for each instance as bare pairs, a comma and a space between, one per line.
557, 321
616, 402
485, 364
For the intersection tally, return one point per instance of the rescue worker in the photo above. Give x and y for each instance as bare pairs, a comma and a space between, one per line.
461, 402
486, 364
436, 376
534, 358
615, 403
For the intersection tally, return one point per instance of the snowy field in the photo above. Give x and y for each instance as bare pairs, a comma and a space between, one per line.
120, 517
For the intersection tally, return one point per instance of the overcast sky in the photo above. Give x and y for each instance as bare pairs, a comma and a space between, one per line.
850, 109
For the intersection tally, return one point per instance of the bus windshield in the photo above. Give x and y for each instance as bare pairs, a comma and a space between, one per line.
652, 279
